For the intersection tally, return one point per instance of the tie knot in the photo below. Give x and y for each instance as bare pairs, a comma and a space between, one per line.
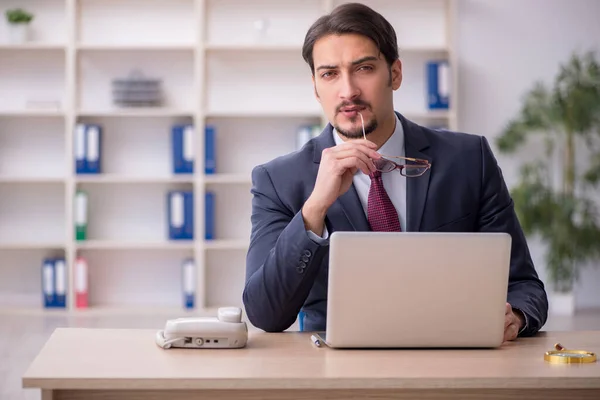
375, 174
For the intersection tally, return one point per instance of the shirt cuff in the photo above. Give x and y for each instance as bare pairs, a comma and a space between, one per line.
321, 240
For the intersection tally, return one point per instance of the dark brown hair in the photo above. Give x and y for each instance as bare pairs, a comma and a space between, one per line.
353, 18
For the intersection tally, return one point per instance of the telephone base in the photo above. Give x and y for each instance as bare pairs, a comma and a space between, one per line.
227, 331
202, 342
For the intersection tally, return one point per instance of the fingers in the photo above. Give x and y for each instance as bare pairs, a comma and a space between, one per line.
510, 332
338, 151
508, 309
353, 163
507, 321
355, 153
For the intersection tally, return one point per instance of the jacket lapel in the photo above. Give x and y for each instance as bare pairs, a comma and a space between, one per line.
346, 213
415, 143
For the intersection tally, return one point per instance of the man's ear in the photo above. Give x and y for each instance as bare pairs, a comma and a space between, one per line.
396, 71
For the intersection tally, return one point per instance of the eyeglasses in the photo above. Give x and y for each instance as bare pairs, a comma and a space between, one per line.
408, 167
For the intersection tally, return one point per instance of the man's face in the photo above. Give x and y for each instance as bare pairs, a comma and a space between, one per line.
352, 76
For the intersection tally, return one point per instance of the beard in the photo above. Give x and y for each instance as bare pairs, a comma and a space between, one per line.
357, 133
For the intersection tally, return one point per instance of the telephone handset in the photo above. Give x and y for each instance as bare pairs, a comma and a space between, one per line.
226, 331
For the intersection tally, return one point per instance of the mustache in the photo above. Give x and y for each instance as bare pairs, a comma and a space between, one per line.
356, 103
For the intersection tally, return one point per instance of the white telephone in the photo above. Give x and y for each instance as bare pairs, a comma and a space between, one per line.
226, 331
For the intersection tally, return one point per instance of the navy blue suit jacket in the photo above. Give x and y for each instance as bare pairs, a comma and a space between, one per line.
464, 191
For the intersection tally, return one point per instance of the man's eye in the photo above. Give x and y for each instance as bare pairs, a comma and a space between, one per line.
326, 74
366, 68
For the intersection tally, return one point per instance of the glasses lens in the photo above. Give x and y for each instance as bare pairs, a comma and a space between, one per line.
384, 165
413, 170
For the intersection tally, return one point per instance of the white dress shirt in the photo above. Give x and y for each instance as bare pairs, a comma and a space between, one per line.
393, 183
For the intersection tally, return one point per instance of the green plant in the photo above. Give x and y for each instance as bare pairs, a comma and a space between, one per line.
18, 16
567, 117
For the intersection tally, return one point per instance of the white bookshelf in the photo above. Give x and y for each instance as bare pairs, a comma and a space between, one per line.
217, 68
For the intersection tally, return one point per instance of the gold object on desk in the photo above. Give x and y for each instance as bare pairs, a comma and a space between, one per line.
564, 356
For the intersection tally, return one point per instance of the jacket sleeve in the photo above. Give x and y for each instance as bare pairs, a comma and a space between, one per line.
526, 291
282, 261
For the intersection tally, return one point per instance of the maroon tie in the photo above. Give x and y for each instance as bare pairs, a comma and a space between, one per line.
381, 213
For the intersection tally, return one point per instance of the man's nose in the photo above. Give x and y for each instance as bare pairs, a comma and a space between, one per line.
349, 90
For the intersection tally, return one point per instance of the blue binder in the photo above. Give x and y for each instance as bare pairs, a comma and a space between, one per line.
438, 85
93, 146
54, 282
48, 282
60, 283
189, 215
188, 274
182, 138
180, 215
79, 149
209, 216
88, 145
210, 161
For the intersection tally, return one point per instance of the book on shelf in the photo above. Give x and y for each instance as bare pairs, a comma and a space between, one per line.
438, 85
180, 211
88, 143
188, 274
209, 215
54, 282
182, 137
81, 282
210, 162
81, 215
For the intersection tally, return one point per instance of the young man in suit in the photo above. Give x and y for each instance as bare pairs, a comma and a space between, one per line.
332, 183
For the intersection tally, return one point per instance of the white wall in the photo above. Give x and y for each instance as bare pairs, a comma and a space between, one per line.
503, 47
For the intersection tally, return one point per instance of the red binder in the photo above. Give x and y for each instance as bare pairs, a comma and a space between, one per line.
81, 283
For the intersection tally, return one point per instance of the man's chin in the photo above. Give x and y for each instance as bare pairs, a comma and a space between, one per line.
350, 132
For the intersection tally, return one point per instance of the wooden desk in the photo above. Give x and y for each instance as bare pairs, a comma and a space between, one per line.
113, 364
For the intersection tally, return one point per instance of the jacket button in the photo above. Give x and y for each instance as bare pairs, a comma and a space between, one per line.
307, 253
305, 258
300, 270
302, 265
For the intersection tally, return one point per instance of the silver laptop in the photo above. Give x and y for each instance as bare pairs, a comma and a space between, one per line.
417, 290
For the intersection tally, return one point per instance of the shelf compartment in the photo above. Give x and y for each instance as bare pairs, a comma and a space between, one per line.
27, 78
131, 278
128, 213
49, 27
239, 139
233, 205
96, 71
224, 278
260, 22
236, 83
411, 97
32, 213
32, 148
21, 276
156, 22
418, 23
135, 149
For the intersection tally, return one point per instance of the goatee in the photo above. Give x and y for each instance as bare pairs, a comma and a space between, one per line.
357, 133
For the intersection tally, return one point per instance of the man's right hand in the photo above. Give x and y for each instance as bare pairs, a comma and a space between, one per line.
337, 168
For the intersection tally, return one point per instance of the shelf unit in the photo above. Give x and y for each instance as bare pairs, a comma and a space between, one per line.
232, 64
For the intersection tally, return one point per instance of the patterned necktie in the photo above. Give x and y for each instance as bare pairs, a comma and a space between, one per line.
381, 213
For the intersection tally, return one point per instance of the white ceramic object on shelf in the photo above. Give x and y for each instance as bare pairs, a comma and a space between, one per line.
18, 33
